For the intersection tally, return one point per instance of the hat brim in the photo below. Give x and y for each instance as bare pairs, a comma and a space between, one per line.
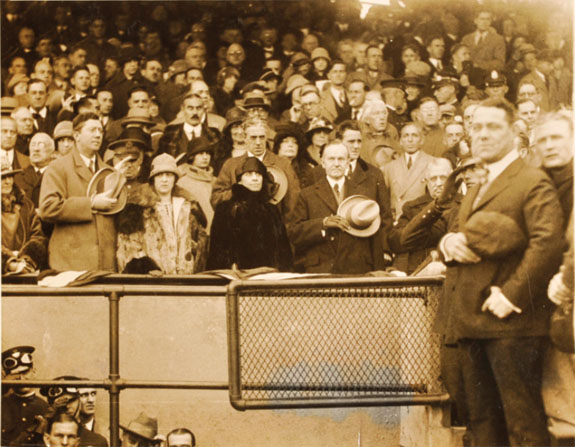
315, 129
95, 187
117, 143
123, 427
10, 172
280, 178
251, 106
135, 120
343, 209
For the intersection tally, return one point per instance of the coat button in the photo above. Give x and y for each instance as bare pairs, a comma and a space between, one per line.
24, 419
24, 404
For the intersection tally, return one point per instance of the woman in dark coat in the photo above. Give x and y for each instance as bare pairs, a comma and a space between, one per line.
247, 230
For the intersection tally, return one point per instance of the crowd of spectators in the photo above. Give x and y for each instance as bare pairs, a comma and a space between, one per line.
314, 137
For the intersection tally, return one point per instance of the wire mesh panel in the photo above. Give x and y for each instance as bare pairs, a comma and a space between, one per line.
316, 343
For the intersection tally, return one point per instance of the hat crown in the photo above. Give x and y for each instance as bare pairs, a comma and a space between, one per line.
362, 214
144, 426
164, 163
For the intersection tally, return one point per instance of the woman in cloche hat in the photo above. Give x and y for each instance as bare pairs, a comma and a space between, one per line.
161, 229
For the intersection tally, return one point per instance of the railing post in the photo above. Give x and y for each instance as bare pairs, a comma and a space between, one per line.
114, 369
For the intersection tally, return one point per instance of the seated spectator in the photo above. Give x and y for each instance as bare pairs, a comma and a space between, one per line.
376, 130
23, 243
198, 175
24, 127
428, 117
159, 229
248, 230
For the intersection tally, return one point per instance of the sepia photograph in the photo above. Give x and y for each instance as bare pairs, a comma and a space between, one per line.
287, 223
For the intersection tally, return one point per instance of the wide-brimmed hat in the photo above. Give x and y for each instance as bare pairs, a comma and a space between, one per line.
197, 145
299, 59
8, 104
7, 170
362, 215
109, 180
63, 129
269, 74
16, 79
235, 115
413, 80
295, 81
483, 240
255, 101
131, 137
17, 359
139, 117
177, 67
318, 124
280, 187
143, 426
165, 163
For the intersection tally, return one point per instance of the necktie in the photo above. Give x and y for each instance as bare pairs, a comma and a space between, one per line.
92, 166
342, 98
409, 162
354, 114
337, 193
482, 189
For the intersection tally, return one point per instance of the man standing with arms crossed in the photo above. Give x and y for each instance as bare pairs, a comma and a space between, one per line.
496, 305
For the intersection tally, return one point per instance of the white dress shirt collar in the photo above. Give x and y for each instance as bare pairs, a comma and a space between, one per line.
192, 131
496, 168
332, 182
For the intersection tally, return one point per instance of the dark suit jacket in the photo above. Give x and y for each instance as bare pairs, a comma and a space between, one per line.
527, 196
91, 439
47, 124
175, 142
338, 252
30, 184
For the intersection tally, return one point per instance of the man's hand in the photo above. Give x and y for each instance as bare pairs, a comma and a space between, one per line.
557, 291
498, 305
295, 113
455, 247
103, 201
335, 222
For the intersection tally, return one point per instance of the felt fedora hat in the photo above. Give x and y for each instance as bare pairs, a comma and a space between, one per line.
143, 426
109, 180
281, 184
362, 214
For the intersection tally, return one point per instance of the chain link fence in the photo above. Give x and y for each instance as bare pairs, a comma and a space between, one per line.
333, 342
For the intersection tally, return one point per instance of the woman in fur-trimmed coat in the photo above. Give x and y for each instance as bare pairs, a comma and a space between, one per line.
247, 230
161, 228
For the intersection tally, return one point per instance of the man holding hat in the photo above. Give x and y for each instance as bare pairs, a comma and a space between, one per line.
21, 407
66, 399
495, 306
335, 227
84, 236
